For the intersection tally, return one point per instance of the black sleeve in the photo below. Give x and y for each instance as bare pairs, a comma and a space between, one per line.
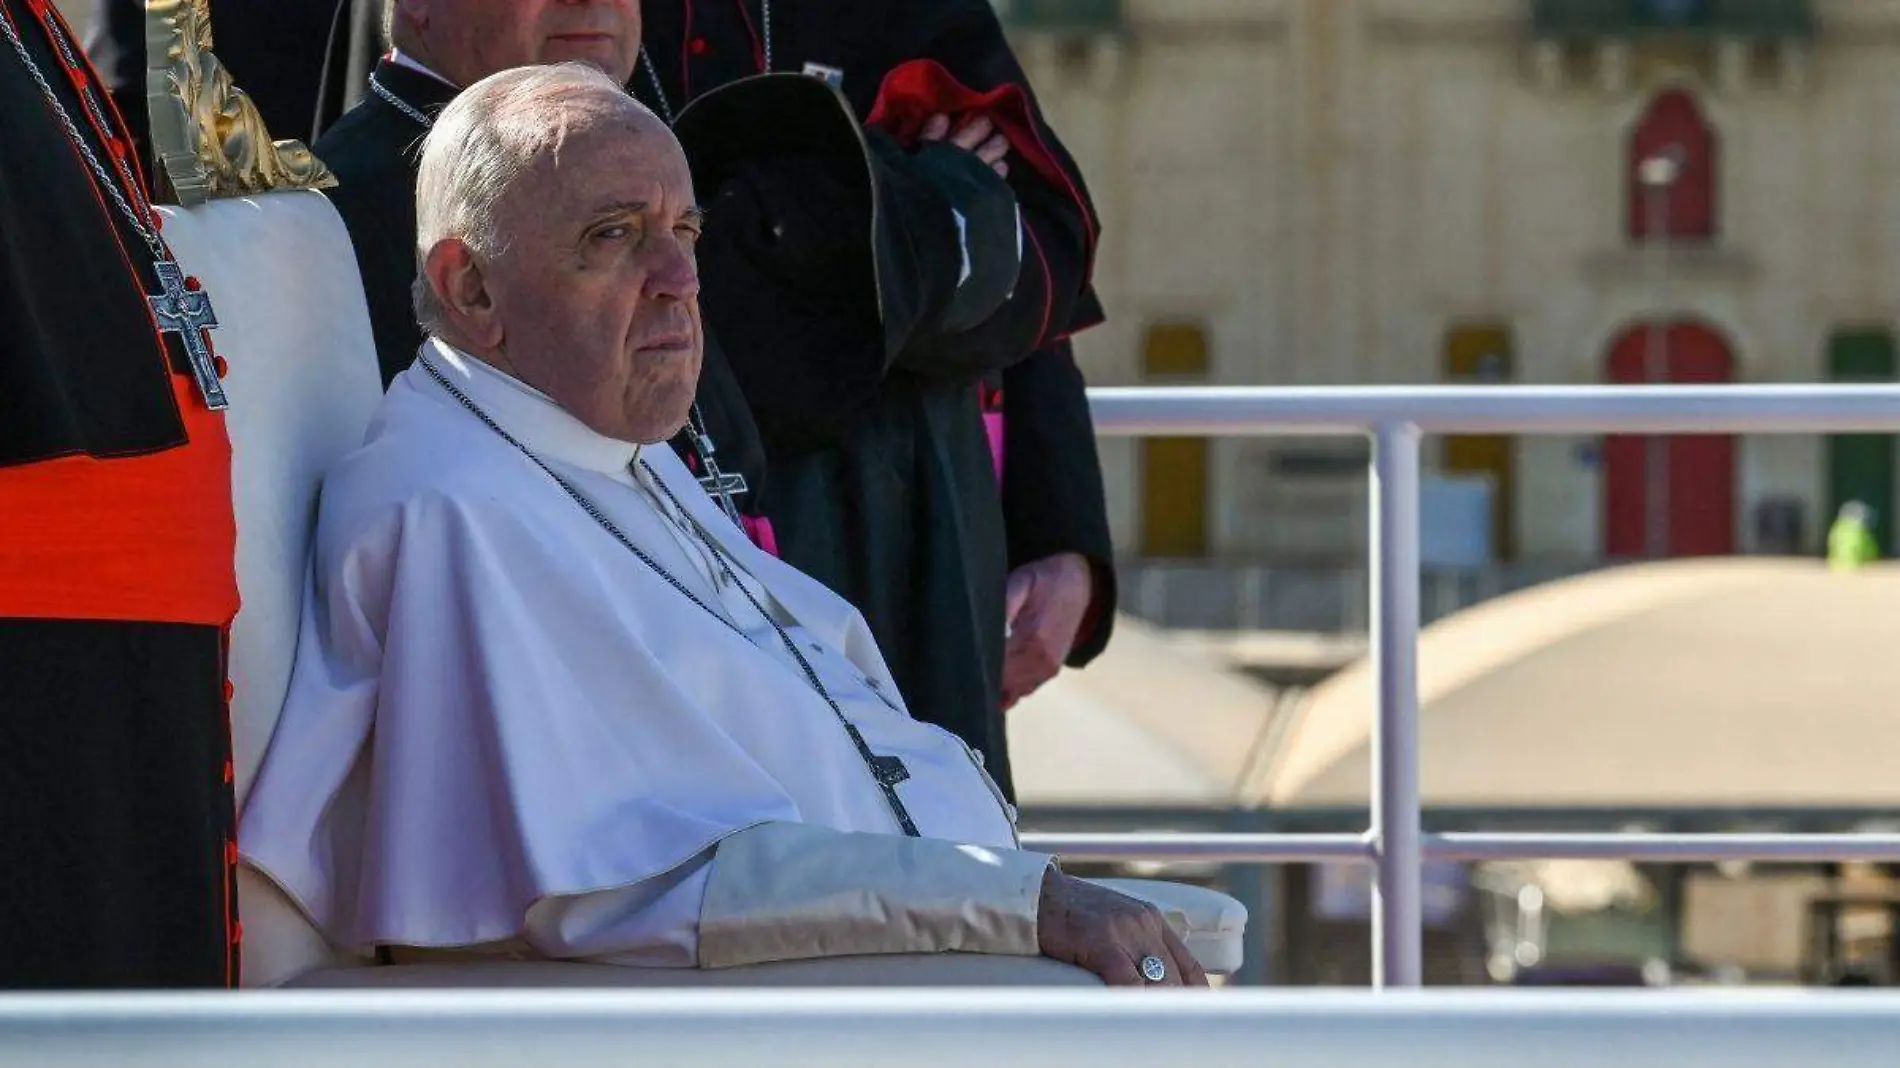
1053, 497
382, 233
116, 46
737, 447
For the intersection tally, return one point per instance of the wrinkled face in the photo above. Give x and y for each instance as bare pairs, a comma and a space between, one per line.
595, 299
467, 40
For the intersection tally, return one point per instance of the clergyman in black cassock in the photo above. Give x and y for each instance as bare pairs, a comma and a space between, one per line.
882, 480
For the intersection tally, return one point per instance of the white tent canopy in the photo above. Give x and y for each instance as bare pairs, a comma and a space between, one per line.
1707, 683
1151, 723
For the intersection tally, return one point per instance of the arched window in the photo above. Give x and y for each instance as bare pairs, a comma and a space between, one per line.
1671, 172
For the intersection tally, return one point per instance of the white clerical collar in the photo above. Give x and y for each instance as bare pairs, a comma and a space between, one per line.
531, 416
402, 59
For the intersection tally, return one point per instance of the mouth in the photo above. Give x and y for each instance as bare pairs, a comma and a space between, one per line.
582, 40
669, 343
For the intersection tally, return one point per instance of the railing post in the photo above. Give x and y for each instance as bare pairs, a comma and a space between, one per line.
1397, 916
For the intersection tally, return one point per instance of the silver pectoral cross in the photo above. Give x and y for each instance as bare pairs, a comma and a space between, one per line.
890, 771
724, 484
187, 312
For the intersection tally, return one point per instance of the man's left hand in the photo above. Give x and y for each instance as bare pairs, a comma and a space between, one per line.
1047, 602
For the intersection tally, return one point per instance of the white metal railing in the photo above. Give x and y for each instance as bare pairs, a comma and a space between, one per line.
1396, 418
1295, 1030
926, 1029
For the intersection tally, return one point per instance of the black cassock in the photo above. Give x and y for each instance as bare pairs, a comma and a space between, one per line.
374, 150
882, 482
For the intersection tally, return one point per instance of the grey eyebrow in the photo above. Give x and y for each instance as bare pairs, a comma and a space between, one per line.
620, 207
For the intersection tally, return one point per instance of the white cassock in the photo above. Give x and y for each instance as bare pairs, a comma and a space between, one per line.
506, 730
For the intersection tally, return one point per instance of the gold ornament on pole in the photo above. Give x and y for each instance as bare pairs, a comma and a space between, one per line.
208, 135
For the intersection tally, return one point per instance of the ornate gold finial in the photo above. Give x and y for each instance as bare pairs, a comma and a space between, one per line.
208, 134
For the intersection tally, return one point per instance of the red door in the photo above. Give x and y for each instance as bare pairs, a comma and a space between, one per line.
1700, 485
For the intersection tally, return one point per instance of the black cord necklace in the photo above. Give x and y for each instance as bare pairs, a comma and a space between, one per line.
888, 772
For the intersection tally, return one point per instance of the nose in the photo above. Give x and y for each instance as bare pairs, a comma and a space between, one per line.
675, 274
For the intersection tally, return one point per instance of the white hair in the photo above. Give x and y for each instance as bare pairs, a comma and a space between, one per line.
480, 145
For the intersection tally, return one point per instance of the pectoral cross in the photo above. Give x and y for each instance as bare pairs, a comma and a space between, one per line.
720, 484
890, 772
187, 312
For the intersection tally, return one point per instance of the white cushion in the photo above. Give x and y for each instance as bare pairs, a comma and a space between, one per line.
303, 383
1209, 922
942, 969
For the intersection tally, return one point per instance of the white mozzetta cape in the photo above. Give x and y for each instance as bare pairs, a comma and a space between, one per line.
503, 726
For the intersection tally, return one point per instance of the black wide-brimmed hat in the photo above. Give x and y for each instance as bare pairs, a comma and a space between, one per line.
833, 240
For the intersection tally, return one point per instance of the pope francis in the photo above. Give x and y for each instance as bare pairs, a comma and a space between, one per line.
548, 700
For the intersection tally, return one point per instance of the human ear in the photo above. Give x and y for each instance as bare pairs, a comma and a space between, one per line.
455, 274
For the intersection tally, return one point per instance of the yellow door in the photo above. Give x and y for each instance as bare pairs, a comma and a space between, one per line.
1174, 482
1174, 471
1477, 354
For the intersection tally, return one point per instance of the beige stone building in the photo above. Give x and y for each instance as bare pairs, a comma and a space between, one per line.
1415, 191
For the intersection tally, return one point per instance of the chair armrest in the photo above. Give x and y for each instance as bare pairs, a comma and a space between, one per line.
899, 970
1211, 923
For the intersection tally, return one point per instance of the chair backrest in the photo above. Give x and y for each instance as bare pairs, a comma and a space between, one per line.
303, 383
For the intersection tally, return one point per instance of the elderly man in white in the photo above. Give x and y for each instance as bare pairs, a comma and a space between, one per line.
548, 701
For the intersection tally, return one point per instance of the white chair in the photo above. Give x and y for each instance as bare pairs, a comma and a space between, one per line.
303, 384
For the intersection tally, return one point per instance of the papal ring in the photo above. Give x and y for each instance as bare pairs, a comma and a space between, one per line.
1153, 969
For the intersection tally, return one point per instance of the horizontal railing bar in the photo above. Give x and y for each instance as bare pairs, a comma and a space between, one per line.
1323, 848
924, 1029
1204, 848
1255, 411
1671, 848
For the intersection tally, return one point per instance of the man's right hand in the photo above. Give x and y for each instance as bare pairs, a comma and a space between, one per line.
1107, 933
978, 135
